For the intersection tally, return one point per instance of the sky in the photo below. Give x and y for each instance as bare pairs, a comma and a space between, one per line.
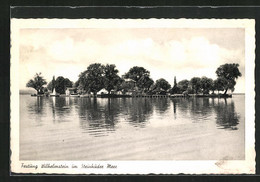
165, 52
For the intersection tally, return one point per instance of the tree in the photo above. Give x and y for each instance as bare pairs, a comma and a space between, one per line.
45, 89
111, 78
141, 77
162, 84
183, 85
51, 85
175, 89
175, 82
76, 84
135, 73
126, 86
230, 73
92, 80
37, 83
206, 84
61, 84
214, 86
195, 84
219, 84
144, 83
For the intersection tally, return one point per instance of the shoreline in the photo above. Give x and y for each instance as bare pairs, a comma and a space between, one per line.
143, 96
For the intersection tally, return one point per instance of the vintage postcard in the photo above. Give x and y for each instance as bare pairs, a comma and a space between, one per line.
132, 96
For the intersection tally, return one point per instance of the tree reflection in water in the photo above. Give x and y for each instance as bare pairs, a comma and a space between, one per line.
37, 110
101, 115
174, 109
53, 102
202, 109
98, 116
181, 105
138, 110
112, 111
61, 109
226, 117
36, 107
196, 109
161, 104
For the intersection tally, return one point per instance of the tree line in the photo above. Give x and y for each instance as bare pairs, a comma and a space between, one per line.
98, 76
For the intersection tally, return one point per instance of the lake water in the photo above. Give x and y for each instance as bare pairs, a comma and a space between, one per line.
72, 128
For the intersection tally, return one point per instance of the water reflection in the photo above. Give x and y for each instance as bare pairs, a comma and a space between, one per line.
36, 107
53, 109
37, 110
206, 109
105, 129
139, 110
111, 112
201, 109
104, 114
226, 117
182, 104
161, 104
61, 108
100, 116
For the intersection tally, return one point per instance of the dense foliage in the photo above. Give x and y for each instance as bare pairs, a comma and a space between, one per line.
195, 84
162, 85
137, 79
141, 77
60, 84
37, 83
136, 73
229, 73
111, 78
183, 85
206, 84
92, 80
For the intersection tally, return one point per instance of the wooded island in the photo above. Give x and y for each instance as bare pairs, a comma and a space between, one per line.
103, 80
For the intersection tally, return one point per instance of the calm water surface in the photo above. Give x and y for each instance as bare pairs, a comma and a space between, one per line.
71, 128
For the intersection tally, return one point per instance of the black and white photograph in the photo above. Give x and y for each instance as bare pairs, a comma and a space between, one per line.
121, 96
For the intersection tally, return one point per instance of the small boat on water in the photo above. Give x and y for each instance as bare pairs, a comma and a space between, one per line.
54, 94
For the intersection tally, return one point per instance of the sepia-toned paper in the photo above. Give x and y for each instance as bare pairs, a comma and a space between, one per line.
155, 166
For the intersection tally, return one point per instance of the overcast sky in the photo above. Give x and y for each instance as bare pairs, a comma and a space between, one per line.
165, 52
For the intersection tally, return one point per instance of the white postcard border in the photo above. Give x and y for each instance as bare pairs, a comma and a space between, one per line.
137, 167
